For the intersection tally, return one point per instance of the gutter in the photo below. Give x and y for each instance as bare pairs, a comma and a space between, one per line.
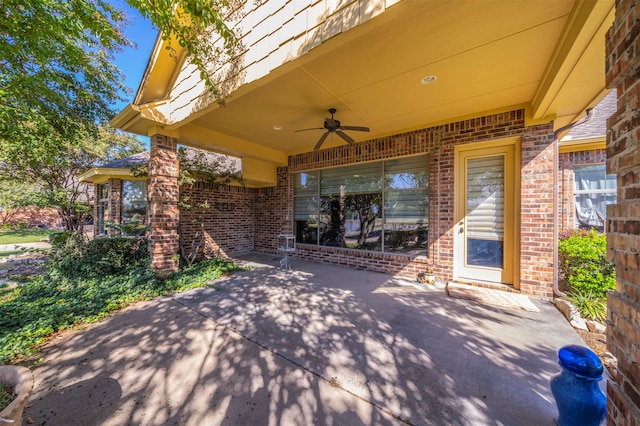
556, 224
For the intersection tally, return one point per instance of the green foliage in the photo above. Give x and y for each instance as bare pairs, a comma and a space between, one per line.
78, 257
45, 167
6, 395
589, 305
56, 57
14, 198
56, 64
71, 294
199, 27
134, 227
196, 166
584, 268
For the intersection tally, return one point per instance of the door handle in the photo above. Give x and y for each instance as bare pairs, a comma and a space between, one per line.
461, 230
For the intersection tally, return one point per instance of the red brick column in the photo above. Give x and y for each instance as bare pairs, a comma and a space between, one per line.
536, 213
623, 238
163, 204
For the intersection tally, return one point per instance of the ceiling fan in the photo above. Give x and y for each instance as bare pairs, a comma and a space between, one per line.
333, 126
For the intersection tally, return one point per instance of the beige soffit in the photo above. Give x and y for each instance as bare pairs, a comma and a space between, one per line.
544, 56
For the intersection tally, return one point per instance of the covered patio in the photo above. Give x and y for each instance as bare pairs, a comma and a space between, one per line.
320, 345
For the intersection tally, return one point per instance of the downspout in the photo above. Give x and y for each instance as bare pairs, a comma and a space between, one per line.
556, 224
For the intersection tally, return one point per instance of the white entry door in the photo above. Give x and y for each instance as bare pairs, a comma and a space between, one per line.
485, 229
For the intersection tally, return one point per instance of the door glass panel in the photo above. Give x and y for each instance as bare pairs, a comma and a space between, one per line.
484, 227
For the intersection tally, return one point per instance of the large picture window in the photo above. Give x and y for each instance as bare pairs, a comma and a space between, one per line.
380, 206
134, 201
594, 189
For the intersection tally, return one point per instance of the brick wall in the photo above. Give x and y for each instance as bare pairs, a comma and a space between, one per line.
274, 210
162, 192
228, 224
32, 216
623, 238
536, 213
566, 164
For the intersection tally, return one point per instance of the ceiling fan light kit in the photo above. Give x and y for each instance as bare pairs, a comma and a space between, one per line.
331, 125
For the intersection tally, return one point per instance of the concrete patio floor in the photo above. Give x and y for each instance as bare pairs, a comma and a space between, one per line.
318, 345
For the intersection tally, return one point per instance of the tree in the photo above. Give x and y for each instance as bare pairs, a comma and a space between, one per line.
56, 64
12, 200
50, 165
199, 26
56, 57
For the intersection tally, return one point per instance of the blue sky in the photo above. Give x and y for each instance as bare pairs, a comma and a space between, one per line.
132, 61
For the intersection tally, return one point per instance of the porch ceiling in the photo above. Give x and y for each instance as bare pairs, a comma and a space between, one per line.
546, 56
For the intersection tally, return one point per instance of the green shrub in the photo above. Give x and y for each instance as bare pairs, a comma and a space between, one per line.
583, 267
73, 255
54, 302
22, 225
86, 280
589, 305
58, 239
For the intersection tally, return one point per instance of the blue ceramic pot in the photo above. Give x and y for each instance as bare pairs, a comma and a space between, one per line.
578, 396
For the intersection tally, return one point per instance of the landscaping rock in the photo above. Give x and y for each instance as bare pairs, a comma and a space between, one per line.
571, 314
596, 327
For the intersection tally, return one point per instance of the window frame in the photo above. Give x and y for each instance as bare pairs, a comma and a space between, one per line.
386, 170
125, 218
606, 192
103, 208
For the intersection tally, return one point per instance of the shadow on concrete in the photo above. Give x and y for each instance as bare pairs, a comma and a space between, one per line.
319, 345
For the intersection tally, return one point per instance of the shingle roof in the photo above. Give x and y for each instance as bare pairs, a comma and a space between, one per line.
138, 159
597, 125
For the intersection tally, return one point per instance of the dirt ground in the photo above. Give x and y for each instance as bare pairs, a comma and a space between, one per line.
595, 341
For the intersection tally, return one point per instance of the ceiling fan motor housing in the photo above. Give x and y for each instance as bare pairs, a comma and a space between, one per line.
331, 125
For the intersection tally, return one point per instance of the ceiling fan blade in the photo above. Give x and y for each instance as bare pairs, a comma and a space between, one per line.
356, 128
313, 128
322, 138
345, 137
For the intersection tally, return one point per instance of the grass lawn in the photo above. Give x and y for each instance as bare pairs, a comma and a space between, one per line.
9, 253
19, 236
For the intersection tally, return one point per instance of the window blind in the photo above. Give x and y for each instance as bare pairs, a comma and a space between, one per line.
485, 198
364, 178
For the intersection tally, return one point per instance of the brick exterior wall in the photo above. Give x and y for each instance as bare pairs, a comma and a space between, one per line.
162, 192
274, 212
242, 219
567, 162
228, 224
623, 238
536, 213
274, 209
32, 216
